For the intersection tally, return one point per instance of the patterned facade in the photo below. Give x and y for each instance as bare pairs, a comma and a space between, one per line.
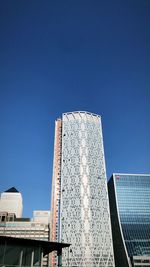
84, 208
130, 212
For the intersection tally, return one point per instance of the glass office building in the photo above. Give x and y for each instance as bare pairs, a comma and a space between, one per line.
129, 196
80, 207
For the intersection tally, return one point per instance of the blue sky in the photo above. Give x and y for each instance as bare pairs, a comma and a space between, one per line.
59, 56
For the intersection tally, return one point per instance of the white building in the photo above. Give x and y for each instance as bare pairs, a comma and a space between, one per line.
80, 208
42, 216
11, 202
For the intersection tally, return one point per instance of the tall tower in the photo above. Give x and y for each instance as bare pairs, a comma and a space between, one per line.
55, 198
79, 192
129, 196
11, 202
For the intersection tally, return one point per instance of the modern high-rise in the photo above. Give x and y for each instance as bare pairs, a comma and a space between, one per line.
11, 202
129, 196
80, 208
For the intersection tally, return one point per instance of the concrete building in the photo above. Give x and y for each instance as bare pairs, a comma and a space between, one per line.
24, 228
42, 216
80, 208
129, 196
12, 224
27, 252
11, 202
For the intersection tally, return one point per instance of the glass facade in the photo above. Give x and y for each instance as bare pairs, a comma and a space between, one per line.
132, 196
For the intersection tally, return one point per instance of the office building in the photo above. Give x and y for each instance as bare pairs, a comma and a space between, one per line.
12, 224
80, 208
23, 252
11, 202
129, 196
42, 216
37, 229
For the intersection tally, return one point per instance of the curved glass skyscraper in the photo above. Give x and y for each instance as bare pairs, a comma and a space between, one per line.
129, 196
80, 208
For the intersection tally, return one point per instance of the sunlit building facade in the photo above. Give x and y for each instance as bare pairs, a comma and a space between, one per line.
11, 202
80, 209
37, 229
41, 216
55, 195
129, 196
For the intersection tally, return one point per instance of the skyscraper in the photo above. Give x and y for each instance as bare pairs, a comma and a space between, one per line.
80, 209
11, 202
129, 196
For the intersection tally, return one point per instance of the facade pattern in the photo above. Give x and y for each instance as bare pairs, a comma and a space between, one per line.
84, 208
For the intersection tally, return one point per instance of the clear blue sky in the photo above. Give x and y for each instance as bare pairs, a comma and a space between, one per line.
58, 56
